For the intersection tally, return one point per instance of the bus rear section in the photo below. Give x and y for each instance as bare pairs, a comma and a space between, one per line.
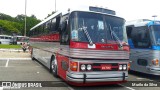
92, 48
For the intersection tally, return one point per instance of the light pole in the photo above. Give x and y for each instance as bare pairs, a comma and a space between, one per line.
55, 5
25, 26
154, 16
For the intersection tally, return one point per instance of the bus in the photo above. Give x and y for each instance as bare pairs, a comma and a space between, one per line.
5, 39
20, 39
82, 47
144, 40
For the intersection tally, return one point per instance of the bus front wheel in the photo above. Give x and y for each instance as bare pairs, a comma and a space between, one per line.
54, 68
32, 56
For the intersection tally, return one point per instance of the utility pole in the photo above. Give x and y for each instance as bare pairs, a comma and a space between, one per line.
25, 26
154, 16
55, 5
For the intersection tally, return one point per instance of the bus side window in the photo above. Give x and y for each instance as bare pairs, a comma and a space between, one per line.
64, 33
57, 23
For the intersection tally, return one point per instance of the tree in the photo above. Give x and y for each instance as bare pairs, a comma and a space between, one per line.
9, 27
6, 17
16, 24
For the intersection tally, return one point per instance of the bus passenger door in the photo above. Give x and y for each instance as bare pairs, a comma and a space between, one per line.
63, 59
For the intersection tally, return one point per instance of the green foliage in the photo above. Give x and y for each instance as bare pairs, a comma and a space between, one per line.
9, 46
31, 22
16, 24
9, 27
6, 17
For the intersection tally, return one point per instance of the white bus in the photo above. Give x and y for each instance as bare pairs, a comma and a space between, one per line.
5, 39
19, 40
144, 40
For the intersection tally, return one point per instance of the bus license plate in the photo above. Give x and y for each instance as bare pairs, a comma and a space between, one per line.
105, 67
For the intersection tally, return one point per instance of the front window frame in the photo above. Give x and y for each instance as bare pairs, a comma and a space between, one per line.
73, 17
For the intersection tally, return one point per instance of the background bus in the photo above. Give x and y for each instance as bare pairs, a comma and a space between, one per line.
19, 40
5, 39
144, 40
82, 47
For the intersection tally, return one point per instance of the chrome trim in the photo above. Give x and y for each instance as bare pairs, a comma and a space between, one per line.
97, 76
89, 53
153, 70
146, 54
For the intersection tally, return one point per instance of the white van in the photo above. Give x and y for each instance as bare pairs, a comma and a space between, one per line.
5, 39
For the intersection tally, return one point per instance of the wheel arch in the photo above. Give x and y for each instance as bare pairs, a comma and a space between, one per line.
53, 57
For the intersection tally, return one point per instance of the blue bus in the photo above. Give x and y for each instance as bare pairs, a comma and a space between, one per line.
144, 40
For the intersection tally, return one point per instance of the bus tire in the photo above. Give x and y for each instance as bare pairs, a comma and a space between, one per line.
53, 67
32, 57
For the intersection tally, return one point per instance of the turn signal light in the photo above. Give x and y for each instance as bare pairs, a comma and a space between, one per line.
73, 66
129, 66
155, 62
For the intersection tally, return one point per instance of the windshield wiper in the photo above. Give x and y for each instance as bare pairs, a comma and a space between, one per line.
86, 32
115, 35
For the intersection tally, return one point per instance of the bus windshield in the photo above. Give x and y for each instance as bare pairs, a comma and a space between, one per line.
155, 34
97, 28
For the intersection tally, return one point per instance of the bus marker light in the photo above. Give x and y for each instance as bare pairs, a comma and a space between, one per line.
129, 65
155, 62
73, 66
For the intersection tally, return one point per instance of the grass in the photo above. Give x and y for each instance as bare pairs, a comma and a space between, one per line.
9, 46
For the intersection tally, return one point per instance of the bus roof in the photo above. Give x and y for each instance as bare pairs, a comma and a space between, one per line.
142, 22
153, 23
137, 23
52, 16
60, 13
6, 35
99, 13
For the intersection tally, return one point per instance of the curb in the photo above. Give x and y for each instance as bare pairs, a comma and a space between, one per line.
13, 50
15, 59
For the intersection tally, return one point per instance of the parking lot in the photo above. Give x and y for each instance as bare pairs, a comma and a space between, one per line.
18, 66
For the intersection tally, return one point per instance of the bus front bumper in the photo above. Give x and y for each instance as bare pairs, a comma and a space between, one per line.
90, 77
153, 70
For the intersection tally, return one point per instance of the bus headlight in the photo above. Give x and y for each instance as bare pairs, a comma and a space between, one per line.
124, 67
120, 67
83, 67
89, 67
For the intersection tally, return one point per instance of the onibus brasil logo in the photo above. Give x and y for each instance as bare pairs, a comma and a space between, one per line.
18, 85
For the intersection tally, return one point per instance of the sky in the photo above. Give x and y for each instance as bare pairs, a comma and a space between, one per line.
128, 9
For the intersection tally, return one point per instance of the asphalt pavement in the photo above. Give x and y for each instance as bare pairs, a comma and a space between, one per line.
18, 66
